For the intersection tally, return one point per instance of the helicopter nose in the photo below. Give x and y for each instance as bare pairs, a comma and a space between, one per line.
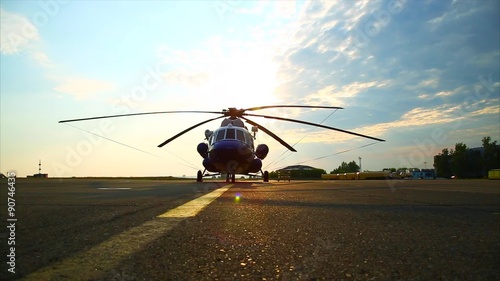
226, 151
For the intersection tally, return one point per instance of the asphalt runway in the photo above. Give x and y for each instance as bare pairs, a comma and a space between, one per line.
120, 229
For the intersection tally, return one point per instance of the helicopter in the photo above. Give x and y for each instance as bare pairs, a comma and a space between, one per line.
230, 149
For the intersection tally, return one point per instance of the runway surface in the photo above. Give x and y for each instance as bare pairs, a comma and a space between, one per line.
92, 229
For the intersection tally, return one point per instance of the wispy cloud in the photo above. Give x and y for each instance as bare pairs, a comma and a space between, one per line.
422, 117
443, 93
494, 109
456, 10
330, 95
17, 33
82, 88
42, 59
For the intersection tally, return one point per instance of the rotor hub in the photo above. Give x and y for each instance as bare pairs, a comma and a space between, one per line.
232, 112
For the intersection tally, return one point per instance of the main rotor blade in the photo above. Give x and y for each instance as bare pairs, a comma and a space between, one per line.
187, 130
135, 114
314, 124
292, 106
271, 134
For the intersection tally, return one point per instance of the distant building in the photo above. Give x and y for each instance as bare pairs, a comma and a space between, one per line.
297, 172
298, 168
39, 176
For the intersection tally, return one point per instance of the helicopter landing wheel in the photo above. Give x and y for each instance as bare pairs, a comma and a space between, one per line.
199, 176
266, 176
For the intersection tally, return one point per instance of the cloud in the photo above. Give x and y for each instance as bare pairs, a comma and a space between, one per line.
42, 59
485, 59
326, 49
424, 96
17, 33
495, 109
422, 117
82, 88
255, 10
330, 95
286, 8
456, 11
421, 67
443, 93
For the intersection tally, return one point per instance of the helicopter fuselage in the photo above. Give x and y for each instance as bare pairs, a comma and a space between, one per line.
230, 150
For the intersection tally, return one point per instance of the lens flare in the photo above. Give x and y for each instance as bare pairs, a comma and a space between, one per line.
237, 197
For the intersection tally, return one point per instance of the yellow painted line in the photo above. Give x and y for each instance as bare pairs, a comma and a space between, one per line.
91, 264
193, 207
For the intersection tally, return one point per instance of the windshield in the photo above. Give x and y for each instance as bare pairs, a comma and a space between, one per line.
232, 134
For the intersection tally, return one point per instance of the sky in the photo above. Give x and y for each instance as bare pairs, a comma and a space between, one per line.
422, 75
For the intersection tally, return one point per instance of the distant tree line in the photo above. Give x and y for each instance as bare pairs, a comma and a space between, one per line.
350, 167
464, 162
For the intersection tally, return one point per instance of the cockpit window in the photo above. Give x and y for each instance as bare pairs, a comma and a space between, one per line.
230, 134
220, 135
240, 136
249, 139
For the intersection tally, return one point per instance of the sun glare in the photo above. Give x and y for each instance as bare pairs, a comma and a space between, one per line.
243, 81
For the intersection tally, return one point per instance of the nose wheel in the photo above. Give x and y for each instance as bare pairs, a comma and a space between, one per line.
265, 175
231, 177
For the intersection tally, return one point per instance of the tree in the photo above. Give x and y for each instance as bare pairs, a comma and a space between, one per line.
392, 170
459, 160
350, 167
474, 164
442, 164
465, 162
491, 155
